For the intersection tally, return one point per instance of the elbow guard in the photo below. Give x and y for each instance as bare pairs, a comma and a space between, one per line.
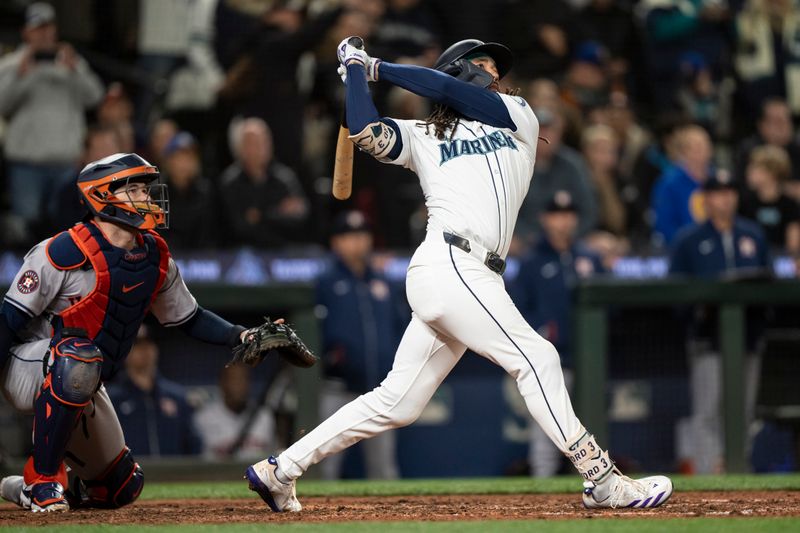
377, 139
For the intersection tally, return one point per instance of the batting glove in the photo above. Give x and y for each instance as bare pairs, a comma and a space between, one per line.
372, 70
347, 53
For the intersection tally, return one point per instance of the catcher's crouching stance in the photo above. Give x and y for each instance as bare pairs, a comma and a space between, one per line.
69, 320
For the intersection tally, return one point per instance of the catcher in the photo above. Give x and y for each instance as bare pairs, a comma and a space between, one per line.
69, 320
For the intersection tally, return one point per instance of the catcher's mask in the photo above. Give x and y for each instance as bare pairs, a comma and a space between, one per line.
104, 190
454, 61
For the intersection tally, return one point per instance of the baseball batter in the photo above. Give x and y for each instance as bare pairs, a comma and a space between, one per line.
474, 156
67, 324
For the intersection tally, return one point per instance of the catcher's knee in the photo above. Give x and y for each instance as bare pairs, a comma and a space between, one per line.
119, 485
74, 373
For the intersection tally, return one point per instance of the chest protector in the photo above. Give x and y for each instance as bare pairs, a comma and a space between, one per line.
126, 283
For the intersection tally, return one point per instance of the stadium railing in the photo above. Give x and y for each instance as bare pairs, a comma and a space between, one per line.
594, 301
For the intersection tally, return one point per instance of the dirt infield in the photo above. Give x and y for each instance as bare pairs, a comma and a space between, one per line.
410, 508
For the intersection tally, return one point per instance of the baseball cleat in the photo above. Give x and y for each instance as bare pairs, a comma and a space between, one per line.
44, 497
642, 493
11, 491
278, 495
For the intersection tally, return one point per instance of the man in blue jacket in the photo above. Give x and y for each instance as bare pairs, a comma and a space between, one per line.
724, 246
677, 195
362, 322
543, 294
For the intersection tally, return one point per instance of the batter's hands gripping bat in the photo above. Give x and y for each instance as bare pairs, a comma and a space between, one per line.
343, 163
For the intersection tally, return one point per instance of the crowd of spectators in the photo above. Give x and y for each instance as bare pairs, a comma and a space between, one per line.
238, 103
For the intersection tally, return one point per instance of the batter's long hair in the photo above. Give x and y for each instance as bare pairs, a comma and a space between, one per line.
443, 119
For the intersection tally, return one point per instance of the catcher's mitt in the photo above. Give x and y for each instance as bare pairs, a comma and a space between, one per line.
259, 341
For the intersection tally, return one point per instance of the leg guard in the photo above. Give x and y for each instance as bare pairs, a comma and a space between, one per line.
72, 377
119, 485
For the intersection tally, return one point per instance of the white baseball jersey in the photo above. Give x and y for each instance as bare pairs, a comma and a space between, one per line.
475, 183
42, 291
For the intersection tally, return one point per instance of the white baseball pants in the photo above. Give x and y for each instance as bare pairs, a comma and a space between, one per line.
457, 303
543, 456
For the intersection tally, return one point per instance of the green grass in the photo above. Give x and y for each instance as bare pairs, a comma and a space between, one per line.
634, 525
511, 485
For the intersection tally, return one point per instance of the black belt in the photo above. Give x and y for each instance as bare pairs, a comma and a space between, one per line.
492, 260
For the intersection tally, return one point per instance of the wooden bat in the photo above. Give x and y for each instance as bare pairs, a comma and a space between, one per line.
343, 165
343, 162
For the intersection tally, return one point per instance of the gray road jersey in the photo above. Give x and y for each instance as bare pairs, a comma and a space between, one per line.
40, 290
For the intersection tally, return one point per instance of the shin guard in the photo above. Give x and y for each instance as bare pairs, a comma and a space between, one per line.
72, 378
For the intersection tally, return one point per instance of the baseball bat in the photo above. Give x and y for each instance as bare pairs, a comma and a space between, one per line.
343, 162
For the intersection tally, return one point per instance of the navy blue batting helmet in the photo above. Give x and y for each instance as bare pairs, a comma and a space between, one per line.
448, 61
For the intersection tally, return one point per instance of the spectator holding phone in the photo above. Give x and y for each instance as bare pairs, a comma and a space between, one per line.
45, 88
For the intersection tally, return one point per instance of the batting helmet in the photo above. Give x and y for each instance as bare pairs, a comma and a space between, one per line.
99, 181
450, 60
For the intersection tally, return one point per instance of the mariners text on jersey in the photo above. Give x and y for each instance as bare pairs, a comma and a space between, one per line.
482, 145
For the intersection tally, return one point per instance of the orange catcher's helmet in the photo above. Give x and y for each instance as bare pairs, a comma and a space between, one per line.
103, 190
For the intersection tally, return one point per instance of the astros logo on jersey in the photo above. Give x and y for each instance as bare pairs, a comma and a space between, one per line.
28, 282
